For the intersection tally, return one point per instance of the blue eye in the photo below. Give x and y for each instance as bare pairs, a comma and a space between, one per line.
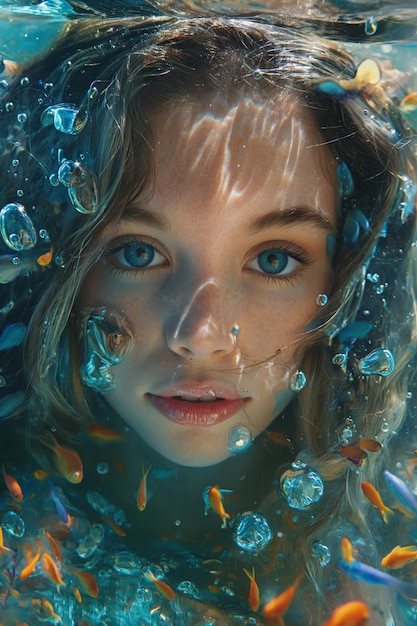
137, 255
272, 261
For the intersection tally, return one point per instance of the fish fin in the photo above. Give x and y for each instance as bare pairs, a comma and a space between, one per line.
387, 514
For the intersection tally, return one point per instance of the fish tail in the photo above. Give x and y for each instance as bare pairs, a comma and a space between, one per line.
48, 440
387, 514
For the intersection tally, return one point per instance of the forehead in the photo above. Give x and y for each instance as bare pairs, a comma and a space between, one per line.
262, 151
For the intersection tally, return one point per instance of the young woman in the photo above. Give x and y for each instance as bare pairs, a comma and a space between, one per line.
208, 327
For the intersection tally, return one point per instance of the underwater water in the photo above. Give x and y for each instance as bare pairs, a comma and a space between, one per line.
103, 569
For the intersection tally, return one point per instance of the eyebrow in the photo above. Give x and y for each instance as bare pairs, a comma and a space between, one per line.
290, 217
145, 216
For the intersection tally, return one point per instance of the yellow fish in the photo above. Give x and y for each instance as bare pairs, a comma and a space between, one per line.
399, 556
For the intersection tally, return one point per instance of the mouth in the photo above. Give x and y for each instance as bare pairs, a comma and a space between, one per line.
200, 411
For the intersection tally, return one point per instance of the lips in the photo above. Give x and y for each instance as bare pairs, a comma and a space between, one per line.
197, 405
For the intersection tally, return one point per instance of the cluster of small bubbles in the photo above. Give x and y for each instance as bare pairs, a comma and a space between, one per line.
300, 486
24, 81
371, 26
379, 361
21, 118
12, 523
66, 118
9, 106
257, 73
126, 562
251, 531
373, 278
239, 440
380, 289
60, 260
17, 228
189, 589
298, 381
43, 234
322, 299
102, 468
385, 426
89, 544
321, 553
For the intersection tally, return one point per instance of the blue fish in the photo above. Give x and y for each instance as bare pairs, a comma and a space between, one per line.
331, 88
400, 490
12, 336
354, 222
161, 472
368, 574
60, 508
357, 330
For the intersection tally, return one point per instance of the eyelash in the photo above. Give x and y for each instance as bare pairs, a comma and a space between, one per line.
293, 253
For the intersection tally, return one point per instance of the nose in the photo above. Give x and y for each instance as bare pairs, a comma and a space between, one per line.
204, 326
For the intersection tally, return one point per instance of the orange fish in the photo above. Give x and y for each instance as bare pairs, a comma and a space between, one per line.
254, 597
375, 499
45, 259
350, 614
45, 610
162, 587
278, 438
215, 499
77, 595
409, 102
353, 452
41, 474
399, 556
51, 570
103, 434
346, 550
2, 546
31, 564
143, 490
87, 582
117, 529
120, 467
275, 608
55, 547
67, 460
13, 486
371, 445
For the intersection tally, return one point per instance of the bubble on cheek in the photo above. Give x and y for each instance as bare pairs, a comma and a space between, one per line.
298, 381
107, 340
239, 440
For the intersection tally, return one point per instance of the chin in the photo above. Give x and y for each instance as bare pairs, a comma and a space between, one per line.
194, 460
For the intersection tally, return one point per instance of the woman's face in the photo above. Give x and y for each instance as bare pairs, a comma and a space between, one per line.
217, 270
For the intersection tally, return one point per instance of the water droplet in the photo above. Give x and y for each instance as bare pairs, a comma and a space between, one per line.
251, 531
385, 427
20, 193
66, 118
409, 395
102, 468
16, 227
371, 26
13, 524
21, 118
189, 589
373, 278
240, 439
322, 299
321, 553
340, 359
378, 361
24, 81
9, 106
177, 522
257, 73
301, 487
298, 381
15, 162
126, 562
107, 341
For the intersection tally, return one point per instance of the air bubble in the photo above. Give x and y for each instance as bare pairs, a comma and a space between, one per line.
251, 531
298, 381
322, 299
13, 524
321, 553
24, 81
257, 73
240, 439
15, 162
301, 487
9, 106
82, 185
66, 118
17, 228
379, 361
102, 468
340, 359
22, 117
371, 26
